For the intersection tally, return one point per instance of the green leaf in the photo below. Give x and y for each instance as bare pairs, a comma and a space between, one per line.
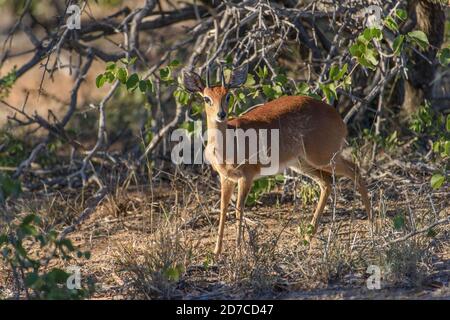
329, 90
20, 250
398, 44
262, 72
174, 63
58, 276
110, 77
356, 50
250, 81
3, 239
365, 63
336, 74
241, 97
343, 71
67, 243
401, 14
268, 91
28, 230
376, 33
365, 37
122, 75
110, 66
100, 80
31, 279
436, 146
182, 96
334, 71
444, 56
9, 186
280, 79
419, 37
143, 86
28, 219
390, 23
9, 79
303, 89
132, 81
447, 124
437, 180
370, 55
132, 61
447, 148
164, 74
278, 91
128, 62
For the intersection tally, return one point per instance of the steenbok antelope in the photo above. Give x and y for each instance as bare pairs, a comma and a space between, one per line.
311, 136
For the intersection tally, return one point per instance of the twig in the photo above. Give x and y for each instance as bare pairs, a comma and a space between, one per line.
443, 221
375, 91
92, 205
161, 133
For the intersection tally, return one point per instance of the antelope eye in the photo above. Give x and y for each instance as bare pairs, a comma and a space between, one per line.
227, 98
208, 100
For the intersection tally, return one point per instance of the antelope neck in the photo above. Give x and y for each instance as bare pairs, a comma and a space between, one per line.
213, 128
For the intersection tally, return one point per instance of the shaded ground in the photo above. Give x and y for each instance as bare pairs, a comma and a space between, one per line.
274, 262
155, 241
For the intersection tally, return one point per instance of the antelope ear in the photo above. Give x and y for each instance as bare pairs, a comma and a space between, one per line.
238, 77
193, 82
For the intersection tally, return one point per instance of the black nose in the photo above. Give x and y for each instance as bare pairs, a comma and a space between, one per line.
221, 115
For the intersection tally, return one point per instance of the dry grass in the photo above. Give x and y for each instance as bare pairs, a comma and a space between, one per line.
155, 241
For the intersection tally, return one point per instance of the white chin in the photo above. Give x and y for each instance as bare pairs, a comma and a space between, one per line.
220, 121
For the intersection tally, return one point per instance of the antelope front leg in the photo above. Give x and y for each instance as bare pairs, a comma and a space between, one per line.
244, 186
226, 188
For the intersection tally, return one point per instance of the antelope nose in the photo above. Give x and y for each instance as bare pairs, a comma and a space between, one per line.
221, 115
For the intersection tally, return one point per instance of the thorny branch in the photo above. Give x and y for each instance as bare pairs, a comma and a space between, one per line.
259, 33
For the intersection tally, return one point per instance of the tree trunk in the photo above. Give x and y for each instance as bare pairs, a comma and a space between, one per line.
429, 17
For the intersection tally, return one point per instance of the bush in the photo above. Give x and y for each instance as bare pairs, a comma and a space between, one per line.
27, 251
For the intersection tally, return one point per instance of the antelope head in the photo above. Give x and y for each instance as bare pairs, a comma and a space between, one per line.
216, 97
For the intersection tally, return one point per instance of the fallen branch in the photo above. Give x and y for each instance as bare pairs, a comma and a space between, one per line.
92, 205
443, 221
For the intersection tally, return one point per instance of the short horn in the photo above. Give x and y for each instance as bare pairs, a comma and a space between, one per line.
222, 76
